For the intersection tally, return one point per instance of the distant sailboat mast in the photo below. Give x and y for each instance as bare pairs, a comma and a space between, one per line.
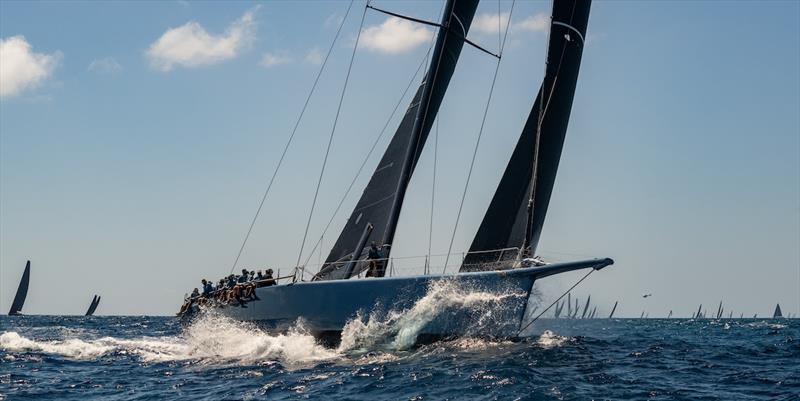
586, 307
611, 315
22, 292
93, 305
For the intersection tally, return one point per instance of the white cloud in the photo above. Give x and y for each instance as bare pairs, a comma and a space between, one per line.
190, 45
333, 21
488, 23
315, 56
394, 36
539, 23
21, 68
105, 65
271, 59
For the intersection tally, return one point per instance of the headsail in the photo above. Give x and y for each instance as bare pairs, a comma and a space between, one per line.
382, 199
22, 291
531, 172
93, 305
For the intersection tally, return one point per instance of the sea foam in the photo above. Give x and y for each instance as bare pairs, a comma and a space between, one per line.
216, 339
399, 329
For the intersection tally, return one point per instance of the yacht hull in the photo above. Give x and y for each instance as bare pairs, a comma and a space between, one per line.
484, 304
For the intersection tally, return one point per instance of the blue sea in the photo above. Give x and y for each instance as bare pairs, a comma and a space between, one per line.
155, 358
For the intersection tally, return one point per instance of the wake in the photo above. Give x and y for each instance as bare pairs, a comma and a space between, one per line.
210, 339
217, 340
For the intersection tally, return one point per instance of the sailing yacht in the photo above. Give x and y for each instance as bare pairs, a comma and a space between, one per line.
501, 257
777, 313
22, 292
93, 306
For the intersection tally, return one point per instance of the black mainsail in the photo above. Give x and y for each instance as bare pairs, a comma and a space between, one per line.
517, 211
93, 305
377, 212
22, 292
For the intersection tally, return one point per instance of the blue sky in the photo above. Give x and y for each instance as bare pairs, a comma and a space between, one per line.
136, 139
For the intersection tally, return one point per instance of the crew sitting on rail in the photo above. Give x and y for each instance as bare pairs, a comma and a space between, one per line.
267, 279
208, 288
377, 267
243, 278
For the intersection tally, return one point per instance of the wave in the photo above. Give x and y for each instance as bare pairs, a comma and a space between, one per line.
216, 339
549, 339
398, 330
210, 339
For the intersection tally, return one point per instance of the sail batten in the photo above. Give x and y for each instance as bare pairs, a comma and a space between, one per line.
22, 291
381, 202
517, 211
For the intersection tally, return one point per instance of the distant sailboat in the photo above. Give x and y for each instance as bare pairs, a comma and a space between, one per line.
559, 308
777, 312
586, 307
719, 310
22, 292
670, 314
611, 315
93, 305
569, 304
697, 315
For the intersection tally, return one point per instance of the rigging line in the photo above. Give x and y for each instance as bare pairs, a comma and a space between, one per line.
554, 302
543, 106
446, 28
330, 140
405, 17
478, 141
291, 137
366, 159
433, 195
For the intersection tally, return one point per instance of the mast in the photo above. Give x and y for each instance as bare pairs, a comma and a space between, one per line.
22, 291
516, 214
382, 200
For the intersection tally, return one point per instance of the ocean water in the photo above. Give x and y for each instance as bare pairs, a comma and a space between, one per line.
155, 358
